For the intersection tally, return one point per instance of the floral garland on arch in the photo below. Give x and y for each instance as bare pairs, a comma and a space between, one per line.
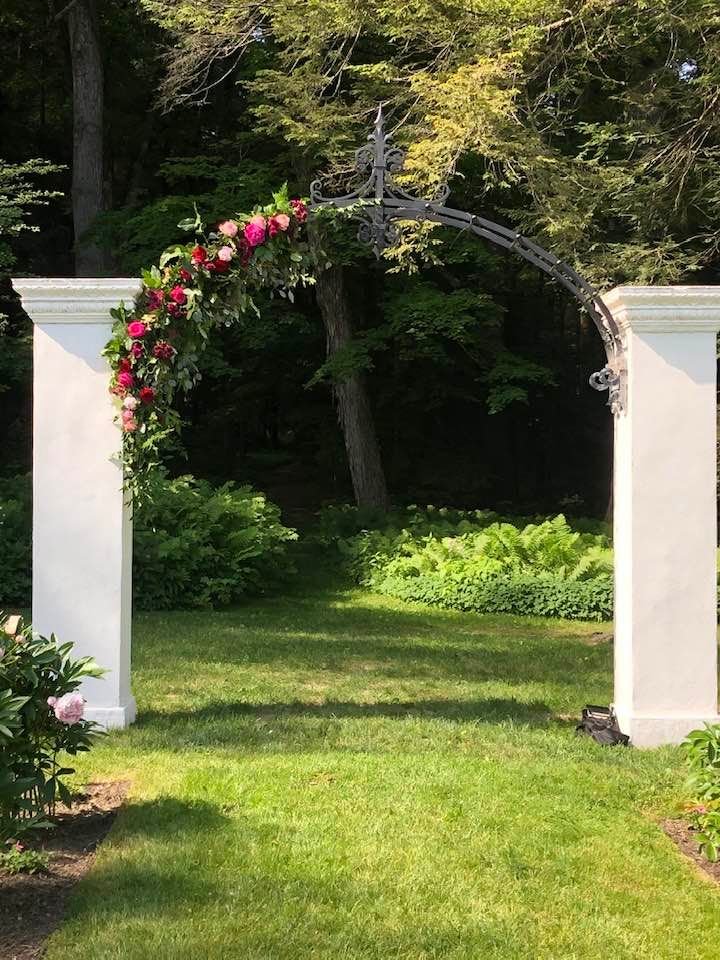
195, 288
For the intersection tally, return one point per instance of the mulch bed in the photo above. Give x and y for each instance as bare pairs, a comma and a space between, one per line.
33, 905
682, 834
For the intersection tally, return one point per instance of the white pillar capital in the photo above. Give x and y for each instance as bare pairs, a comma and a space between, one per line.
82, 527
665, 309
665, 512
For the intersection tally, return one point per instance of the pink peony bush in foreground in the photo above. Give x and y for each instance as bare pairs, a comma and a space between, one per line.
41, 723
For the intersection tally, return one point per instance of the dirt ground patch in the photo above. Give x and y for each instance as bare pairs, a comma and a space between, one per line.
682, 834
33, 905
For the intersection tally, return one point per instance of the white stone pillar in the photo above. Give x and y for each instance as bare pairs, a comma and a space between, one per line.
665, 513
82, 528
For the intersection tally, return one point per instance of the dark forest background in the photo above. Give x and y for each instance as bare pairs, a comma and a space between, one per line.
476, 367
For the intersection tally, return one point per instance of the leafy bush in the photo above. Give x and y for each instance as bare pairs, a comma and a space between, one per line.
196, 545
15, 539
476, 560
40, 718
702, 749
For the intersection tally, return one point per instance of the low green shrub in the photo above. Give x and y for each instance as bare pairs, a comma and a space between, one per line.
476, 560
541, 596
41, 719
17, 859
197, 545
702, 750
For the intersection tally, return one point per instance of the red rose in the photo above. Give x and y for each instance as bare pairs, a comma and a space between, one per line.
178, 295
218, 266
185, 275
163, 350
146, 394
137, 350
125, 365
174, 309
155, 299
198, 255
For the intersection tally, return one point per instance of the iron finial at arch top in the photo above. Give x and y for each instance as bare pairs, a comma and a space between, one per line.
380, 204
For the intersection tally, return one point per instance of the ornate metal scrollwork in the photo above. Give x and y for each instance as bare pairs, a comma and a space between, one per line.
379, 204
610, 380
381, 161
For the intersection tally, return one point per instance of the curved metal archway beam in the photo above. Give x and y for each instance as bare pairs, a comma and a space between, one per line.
379, 204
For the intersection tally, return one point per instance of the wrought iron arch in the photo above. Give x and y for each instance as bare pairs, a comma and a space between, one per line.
382, 204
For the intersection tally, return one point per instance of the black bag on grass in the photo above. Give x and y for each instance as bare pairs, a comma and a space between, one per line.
601, 724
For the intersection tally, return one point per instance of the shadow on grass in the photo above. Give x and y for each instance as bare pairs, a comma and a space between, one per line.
301, 726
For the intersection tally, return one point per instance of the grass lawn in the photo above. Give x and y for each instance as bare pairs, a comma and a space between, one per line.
336, 775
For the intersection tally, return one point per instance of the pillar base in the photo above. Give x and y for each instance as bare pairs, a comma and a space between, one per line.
113, 718
647, 731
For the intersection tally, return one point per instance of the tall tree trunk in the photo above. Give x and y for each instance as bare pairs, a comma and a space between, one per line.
354, 413
87, 172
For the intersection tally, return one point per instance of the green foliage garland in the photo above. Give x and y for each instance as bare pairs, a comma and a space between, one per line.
193, 289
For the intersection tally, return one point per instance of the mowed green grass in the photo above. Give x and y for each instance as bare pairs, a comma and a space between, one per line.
336, 775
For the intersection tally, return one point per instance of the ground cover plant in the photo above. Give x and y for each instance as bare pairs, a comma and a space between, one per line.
335, 773
478, 560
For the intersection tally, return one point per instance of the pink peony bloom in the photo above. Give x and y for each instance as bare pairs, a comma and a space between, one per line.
277, 223
69, 708
228, 228
130, 403
136, 329
125, 379
255, 231
177, 294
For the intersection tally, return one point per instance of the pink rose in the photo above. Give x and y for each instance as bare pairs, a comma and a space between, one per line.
278, 222
255, 231
129, 426
125, 379
225, 253
136, 329
228, 228
177, 294
130, 403
69, 708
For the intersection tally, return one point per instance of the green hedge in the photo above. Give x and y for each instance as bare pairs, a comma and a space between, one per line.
195, 546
